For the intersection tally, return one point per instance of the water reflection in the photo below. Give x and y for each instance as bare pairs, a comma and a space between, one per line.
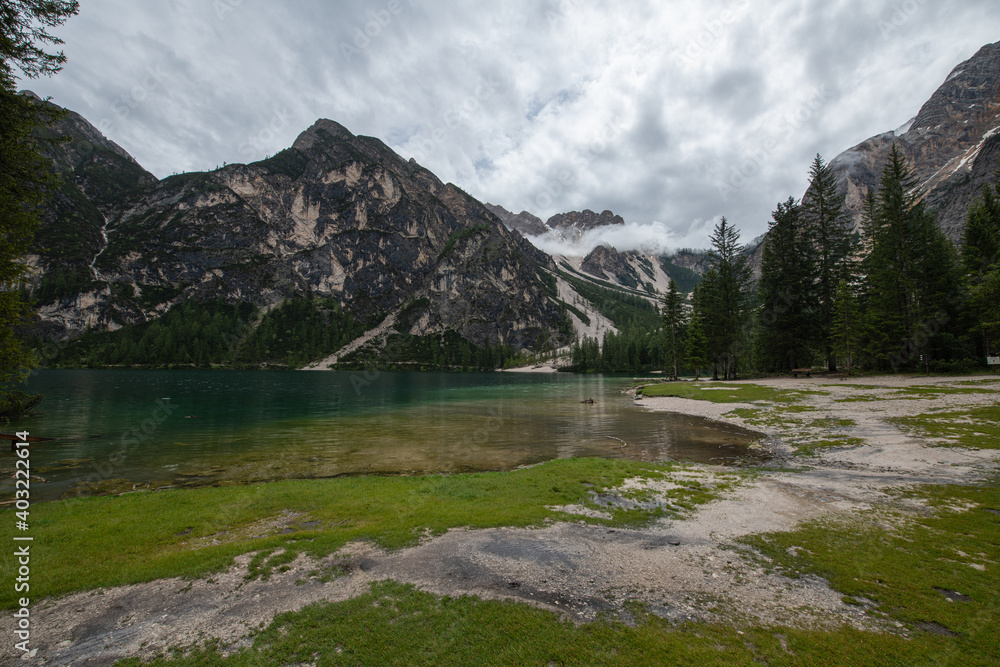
163, 428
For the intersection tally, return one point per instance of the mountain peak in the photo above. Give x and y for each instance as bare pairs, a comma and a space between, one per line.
966, 98
950, 145
307, 139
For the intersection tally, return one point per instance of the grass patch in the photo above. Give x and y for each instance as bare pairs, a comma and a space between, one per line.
137, 537
935, 573
811, 448
774, 419
832, 422
396, 624
978, 427
917, 392
749, 414
718, 392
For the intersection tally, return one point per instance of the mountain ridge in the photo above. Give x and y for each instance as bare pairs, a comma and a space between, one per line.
333, 216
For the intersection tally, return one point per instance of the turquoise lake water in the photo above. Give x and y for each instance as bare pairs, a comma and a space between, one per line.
117, 428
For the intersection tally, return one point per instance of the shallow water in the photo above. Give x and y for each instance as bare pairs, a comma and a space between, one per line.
118, 428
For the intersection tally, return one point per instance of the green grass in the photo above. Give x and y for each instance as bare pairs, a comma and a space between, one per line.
395, 624
718, 392
978, 427
832, 422
919, 392
905, 566
795, 430
812, 447
87, 543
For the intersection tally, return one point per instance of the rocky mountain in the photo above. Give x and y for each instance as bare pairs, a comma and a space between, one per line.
573, 225
952, 145
336, 216
604, 262
649, 274
523, 222
567, 227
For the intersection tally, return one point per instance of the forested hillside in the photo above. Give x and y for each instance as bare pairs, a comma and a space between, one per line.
897, 296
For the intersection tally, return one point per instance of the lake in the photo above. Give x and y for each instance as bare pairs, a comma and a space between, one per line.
119, 429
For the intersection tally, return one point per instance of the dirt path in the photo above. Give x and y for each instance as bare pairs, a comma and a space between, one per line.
683, 569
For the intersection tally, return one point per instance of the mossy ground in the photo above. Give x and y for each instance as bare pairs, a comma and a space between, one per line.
720, 392
394, 624
138, 537
935, 576
978, 427
930, 578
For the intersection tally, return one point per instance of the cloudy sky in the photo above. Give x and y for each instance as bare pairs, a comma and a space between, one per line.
668, 113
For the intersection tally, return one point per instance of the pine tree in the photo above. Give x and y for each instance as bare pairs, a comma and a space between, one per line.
981, 263
696, 346
831, 234
786, 291
911, 279
846, 323
673, 320
724, 294
25, 176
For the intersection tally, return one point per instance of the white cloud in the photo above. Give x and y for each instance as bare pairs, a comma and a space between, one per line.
683, 93
652, 238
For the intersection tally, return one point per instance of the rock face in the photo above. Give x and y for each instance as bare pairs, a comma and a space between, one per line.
606, 263
951, 144
523, 222
336, 215
569, 227
572, 226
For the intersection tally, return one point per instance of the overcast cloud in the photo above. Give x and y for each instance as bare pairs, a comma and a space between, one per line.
670, 114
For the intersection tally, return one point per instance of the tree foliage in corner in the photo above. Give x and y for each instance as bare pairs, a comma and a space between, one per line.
25, 176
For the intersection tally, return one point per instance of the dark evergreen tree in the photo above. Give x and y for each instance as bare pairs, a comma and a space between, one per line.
26, 177
911, 285
673, 320
846, 323
696, 345
788, 308
831, 234
981, 264
724, 294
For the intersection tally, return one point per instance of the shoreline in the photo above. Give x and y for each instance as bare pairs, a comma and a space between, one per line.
688, 568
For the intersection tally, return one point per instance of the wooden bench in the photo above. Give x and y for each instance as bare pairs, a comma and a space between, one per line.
807, 371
